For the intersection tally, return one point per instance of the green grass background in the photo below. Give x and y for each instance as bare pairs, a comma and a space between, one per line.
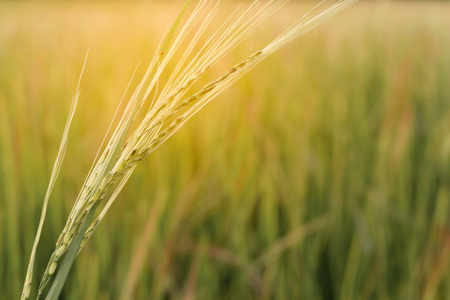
323, 174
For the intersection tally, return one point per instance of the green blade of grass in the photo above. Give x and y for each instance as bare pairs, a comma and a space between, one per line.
168, 39
57, 166
63, 272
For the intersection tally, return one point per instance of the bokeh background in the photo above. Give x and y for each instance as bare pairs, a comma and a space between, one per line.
323, 174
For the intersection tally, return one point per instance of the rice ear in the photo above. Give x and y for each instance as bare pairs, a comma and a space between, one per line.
169, 110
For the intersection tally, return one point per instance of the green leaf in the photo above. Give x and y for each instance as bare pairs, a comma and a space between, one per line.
168, 39
67, 263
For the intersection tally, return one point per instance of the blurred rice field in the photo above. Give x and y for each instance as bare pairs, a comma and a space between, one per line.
323, 174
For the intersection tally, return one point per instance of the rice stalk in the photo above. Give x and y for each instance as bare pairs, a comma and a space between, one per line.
169, 109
